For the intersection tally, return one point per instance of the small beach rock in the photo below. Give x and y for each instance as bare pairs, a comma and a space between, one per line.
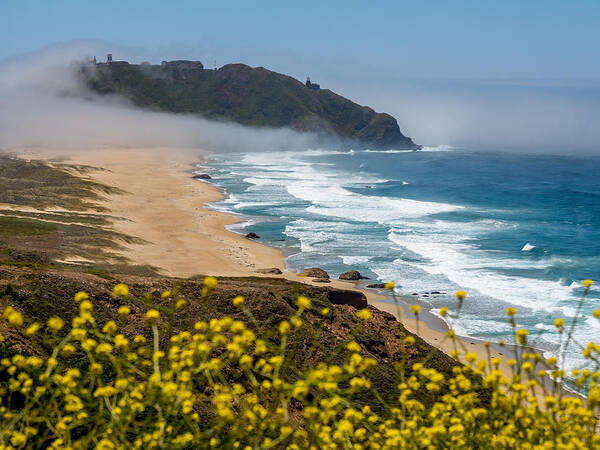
315, 272
376, 285
272, 271
202, 176
252, 235
321, 280
352, 275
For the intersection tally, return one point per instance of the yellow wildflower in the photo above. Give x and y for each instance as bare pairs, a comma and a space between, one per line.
364, 314
297, 323
238, 301
559, 323
80, 296
121, 290
68, 349
304, 302
105, 348
460, 295
15, 318
85, 306
124, 310
353, 346
284, 327
32, 329
415, 309
152, 314
511, 311
109, 327
587, 283
56, 323
522, 336
210, 282
389, 285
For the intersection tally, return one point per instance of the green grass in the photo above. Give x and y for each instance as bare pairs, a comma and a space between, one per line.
25, 227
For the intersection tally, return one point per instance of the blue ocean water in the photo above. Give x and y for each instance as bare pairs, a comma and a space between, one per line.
511, 229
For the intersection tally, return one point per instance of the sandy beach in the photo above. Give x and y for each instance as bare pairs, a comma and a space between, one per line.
166, 207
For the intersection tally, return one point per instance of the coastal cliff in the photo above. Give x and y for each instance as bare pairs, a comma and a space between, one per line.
249, 96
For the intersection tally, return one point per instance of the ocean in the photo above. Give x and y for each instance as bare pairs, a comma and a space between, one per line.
511, 229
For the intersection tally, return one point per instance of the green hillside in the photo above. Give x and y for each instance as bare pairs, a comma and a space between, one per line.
249, 96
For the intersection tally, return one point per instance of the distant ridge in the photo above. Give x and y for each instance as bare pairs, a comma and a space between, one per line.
249, 96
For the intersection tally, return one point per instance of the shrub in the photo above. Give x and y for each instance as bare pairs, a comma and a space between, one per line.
220, 385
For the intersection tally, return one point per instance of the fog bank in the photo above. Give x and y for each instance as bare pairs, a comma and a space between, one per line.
534, 116
44, 104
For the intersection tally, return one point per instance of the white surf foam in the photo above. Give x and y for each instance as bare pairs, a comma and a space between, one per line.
469, 268
437, 254
351, 260
527, 247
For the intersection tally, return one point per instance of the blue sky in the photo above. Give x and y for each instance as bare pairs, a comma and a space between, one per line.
339, 39
480, 74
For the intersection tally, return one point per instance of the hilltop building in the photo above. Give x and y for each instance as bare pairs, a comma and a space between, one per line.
111, 61
311, 85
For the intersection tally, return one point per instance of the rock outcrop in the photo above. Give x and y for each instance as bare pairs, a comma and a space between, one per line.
321, 280
315, 272
346, 297
352, 275
252, 235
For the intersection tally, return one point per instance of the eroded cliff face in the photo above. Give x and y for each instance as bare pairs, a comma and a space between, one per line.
249, 96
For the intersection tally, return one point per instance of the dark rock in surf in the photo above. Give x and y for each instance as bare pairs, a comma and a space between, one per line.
352, 275
376, 286
202, 176
252, 235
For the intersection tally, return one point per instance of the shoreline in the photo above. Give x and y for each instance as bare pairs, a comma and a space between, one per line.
165, 207
169, 210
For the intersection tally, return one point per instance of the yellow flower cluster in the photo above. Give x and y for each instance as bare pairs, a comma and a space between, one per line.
219, 385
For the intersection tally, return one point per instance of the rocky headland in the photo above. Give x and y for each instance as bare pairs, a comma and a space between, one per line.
251, 96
